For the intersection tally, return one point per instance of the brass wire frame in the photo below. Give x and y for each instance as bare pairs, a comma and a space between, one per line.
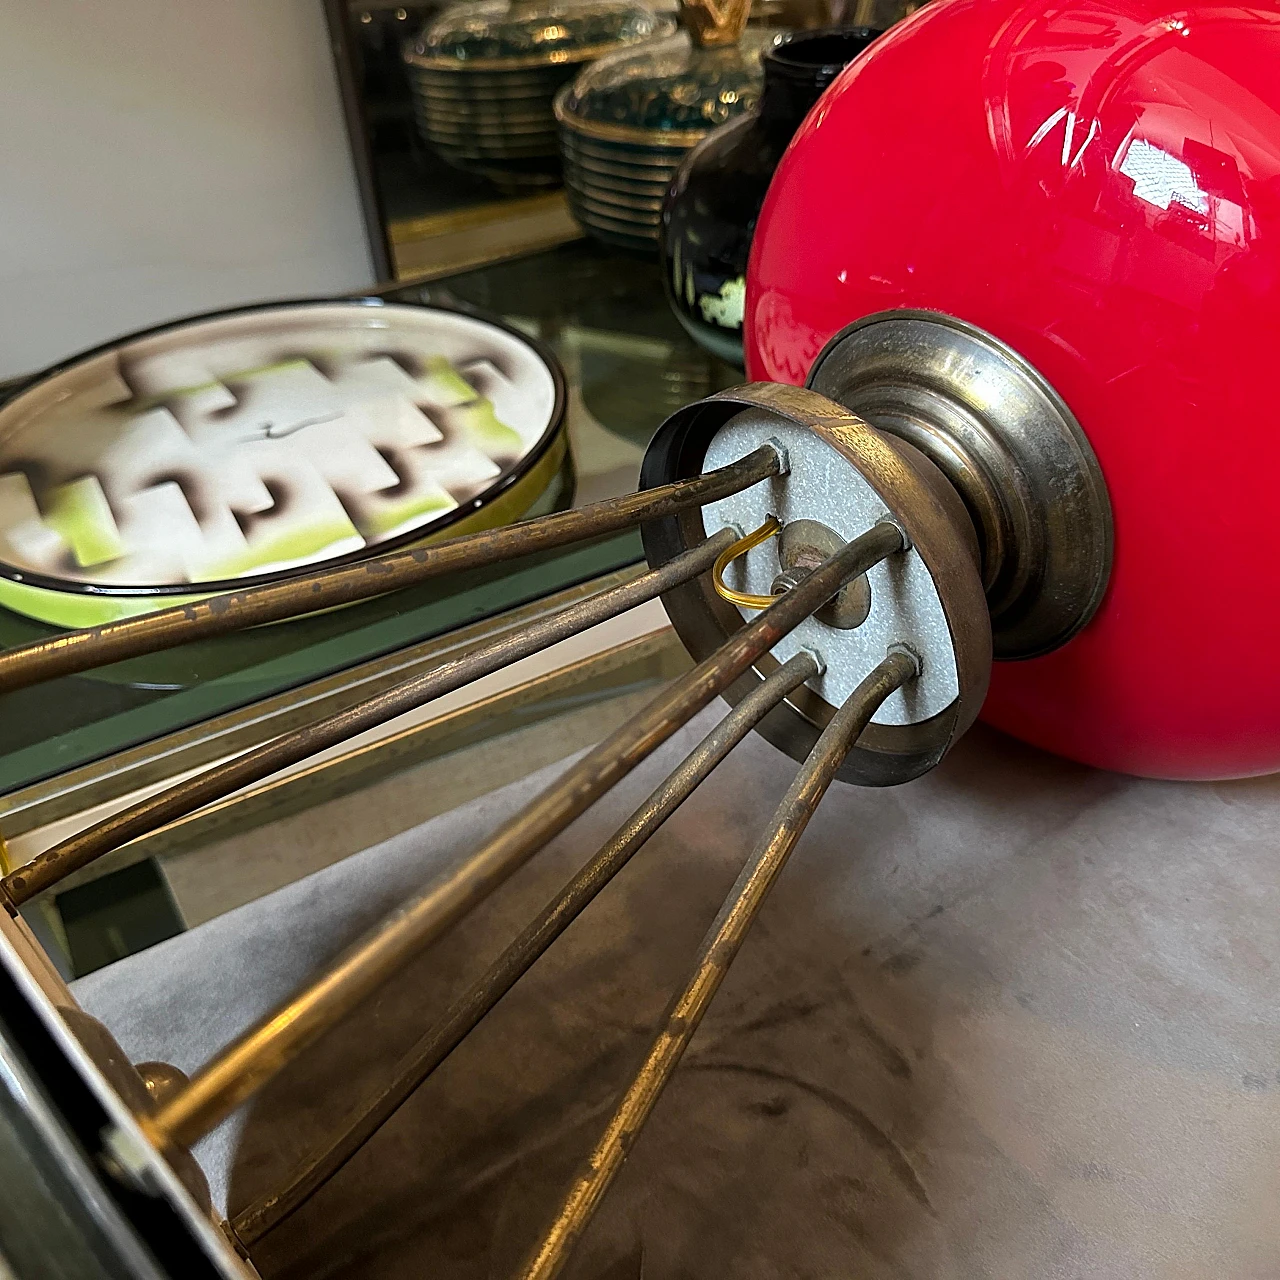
84, 847
716, 954
245, 1065
75, 651
234, 1074
263, 1215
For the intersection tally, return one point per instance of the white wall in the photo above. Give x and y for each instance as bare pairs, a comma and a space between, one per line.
161, 157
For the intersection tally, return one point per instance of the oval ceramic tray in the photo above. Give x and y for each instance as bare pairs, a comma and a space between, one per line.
265, 442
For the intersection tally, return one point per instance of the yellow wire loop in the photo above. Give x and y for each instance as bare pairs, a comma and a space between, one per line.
744, 599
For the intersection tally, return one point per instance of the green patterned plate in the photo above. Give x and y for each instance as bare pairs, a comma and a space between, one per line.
265, 442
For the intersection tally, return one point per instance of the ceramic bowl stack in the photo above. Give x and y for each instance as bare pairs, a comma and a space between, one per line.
627, 121
485, 74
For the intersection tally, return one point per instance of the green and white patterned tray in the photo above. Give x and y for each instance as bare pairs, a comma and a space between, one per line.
262, 442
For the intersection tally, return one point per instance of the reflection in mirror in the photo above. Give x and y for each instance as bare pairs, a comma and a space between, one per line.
449, 109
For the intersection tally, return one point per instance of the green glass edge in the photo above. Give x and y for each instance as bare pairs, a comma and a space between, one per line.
240, 688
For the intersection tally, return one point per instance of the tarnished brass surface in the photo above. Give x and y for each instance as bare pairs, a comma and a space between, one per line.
272, 602
138, 769
466, 750
76, 852
931, 515
255, 1221
136, 1091
714, 958
162, 1079
235, 1074
1009, 445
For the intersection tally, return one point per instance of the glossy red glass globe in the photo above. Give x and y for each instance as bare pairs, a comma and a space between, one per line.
1096, 183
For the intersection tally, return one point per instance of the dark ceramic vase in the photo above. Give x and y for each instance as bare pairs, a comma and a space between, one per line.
710, 210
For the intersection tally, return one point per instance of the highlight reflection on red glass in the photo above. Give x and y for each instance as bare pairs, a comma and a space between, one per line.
1097, 183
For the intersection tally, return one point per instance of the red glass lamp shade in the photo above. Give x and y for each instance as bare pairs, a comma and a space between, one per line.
1097, 184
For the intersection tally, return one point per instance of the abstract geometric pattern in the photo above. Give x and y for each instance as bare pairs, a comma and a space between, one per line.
196, 476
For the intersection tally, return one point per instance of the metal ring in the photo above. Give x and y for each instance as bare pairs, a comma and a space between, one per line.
922, 503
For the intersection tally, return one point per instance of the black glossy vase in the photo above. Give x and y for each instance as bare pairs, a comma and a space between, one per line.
710, 210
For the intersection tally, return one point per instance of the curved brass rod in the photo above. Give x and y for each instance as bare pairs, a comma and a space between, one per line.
740, 548
265, 1214
244, 1066
718, 950
91, 647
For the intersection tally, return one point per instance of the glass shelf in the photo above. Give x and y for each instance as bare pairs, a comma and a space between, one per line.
629, 365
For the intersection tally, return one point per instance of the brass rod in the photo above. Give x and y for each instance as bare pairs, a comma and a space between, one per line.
265, 1214
79, 850
251, 1060
82, 650
718, 950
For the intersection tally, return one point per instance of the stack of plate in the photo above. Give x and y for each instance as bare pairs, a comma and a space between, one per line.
628, 120
484, 77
